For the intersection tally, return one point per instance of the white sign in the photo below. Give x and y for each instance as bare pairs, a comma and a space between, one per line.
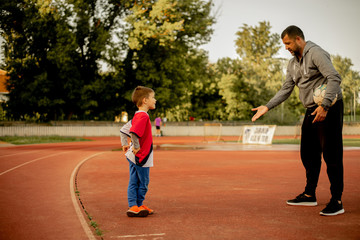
258, 134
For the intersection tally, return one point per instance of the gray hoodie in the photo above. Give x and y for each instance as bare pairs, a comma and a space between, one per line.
314, 69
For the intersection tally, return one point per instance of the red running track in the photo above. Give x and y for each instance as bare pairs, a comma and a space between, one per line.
196, 194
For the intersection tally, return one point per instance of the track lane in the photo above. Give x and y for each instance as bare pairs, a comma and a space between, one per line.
36, 202
219, 195
189, 196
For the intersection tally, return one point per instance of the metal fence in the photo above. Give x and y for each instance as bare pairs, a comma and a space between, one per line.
112, 130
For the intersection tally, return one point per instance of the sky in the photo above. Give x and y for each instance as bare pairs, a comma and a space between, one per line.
334, 25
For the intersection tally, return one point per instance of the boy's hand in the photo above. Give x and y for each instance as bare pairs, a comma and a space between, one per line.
136, 150
125, 148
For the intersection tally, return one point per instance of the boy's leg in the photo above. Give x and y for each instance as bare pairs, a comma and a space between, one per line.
133, 185
144, 179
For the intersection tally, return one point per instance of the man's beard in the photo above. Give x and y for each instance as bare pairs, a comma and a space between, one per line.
296, 52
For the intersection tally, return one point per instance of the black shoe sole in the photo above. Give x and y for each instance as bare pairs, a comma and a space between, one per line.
306, 204
333, 214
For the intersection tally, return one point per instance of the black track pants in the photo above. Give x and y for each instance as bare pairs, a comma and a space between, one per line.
323, 138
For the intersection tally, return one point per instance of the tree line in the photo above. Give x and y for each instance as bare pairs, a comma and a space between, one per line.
81, 59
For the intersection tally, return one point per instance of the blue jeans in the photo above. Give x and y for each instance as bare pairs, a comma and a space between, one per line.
138, 184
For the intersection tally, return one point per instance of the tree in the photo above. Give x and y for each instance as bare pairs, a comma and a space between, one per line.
258, 71
256, 76
163, 55
28, 30
262, 71
350, 83
53, 51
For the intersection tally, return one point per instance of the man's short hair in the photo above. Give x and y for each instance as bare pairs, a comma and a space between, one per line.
293, 31
139, 94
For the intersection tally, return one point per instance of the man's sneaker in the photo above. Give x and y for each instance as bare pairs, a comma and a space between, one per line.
333, 208
150, 210
136, 211
302, 200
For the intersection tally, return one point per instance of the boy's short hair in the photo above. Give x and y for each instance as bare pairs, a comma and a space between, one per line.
139, 94
293, 31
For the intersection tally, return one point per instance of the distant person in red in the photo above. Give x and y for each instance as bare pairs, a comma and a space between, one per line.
158, 126
140, 152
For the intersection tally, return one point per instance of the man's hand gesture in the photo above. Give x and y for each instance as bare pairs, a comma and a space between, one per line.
259, 112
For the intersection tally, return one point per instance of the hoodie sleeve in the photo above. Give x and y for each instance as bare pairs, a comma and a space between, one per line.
284, 92
323, 62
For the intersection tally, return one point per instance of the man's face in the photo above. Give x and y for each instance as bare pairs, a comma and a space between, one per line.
291, 45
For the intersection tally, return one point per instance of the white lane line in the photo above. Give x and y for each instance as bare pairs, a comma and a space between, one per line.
26, 163
141, 235
78, 210
19, 153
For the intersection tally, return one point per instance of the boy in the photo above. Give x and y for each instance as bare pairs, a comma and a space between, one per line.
140, 152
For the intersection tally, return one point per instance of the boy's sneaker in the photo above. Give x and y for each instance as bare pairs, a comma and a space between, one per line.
136, 211
302, 200
333, 208
150, 210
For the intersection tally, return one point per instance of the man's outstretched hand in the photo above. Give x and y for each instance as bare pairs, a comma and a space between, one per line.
259, 112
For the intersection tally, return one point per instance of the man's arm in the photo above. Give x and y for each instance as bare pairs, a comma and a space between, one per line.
280, 96
322, 61
285, 91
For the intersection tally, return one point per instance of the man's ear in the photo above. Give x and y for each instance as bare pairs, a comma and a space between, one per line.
298, 39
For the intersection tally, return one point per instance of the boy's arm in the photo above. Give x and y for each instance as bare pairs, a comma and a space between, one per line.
136, 143
124, 135
124, 141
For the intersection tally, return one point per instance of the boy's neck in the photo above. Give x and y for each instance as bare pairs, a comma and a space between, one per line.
144, 108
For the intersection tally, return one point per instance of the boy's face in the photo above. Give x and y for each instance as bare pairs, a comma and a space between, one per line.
150, 101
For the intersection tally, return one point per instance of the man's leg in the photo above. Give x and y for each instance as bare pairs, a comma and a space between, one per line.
333, 149
310, 151
333, 156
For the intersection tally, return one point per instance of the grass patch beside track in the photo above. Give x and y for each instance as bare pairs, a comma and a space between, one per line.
348, 142
40, 139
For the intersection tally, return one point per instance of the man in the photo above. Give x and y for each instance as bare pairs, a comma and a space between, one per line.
321, 131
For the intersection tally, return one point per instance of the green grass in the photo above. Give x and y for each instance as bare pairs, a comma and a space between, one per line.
352, 142
39, 139
286, 141
355, 142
